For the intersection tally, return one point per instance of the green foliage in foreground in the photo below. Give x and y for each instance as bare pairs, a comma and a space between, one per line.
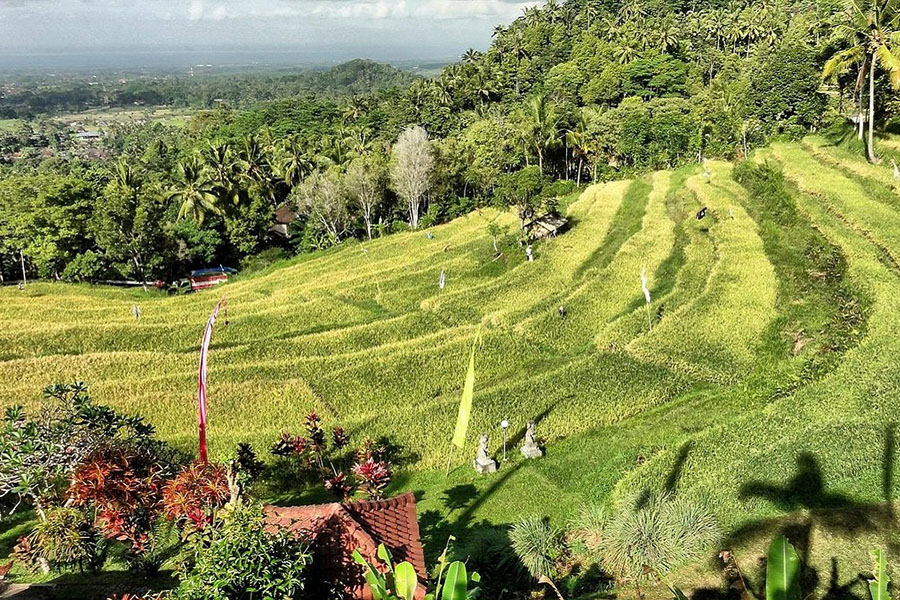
782, 571
401, 582
242, 560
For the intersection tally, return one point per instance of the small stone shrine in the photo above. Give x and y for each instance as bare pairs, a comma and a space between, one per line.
483, 463
530, 448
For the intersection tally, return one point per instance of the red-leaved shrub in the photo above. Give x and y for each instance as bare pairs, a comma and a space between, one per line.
195, 494
125, 484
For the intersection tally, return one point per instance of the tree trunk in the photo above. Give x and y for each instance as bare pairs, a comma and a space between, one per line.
141, 274
862, 111
872, 157
24, 278
369, 227
413, 214
580, 167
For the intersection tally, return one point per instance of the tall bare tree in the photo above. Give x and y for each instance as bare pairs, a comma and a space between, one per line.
322, 197
411, 169
365, 181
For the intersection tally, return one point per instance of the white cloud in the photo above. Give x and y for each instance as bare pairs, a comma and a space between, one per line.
195, 12
501, 10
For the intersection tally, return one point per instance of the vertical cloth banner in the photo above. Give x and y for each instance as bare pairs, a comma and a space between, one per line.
465, 403
644, 287
201, 382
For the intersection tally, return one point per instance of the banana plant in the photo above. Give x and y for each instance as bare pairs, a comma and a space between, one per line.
782, 571
400, 582
392, 584
878, 586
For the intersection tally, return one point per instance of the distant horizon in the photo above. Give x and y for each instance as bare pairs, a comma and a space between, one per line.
215, 59
109, 34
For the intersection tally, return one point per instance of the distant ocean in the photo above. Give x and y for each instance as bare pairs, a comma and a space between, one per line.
208, 60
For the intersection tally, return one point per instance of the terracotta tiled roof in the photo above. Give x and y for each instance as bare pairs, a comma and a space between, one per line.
336, 530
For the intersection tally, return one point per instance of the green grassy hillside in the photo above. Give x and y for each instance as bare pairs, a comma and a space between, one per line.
767, 385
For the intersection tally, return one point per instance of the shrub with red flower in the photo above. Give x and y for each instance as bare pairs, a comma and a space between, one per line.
125, 485
374, 476
195, 494
289, 445
341, 471
339, 438
340, 486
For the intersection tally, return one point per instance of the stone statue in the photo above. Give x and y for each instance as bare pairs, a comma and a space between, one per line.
483, 463
530, 448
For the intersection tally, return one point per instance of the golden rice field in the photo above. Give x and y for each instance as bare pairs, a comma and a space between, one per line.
729, 387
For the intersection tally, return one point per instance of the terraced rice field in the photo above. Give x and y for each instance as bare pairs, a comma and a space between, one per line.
730, 388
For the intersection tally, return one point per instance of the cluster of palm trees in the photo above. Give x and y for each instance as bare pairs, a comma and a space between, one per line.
870, 36
223, 177
545, 130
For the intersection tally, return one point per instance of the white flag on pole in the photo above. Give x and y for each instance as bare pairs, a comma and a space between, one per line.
644, 285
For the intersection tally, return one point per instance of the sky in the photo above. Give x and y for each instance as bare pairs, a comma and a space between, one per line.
379, 29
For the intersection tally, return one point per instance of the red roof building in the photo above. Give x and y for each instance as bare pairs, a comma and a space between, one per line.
336, 530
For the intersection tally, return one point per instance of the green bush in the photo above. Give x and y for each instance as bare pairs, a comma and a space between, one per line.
241, 560
538, 545
488, 550
84, 267
649, 537
66, 539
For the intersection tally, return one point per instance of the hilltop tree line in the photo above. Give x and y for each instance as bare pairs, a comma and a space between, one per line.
569, 93
32, 97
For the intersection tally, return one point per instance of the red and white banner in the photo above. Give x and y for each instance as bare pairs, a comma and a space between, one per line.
201, 384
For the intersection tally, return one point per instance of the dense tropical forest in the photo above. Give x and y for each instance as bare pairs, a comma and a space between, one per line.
570, 92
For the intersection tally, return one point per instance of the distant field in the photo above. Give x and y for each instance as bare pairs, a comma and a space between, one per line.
167, 116
733, 387
10, 125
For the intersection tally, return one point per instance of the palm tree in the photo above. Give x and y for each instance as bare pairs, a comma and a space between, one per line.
194, 191
590, 13
355, 109
292, 163
551, 11
483, 84
127, 180
666, 34
471, 55
543, 126
871, 28
219, 161
519, 51
625, 51
632, 11
577, 139
498, 31
256, 166
532, 15
359, 141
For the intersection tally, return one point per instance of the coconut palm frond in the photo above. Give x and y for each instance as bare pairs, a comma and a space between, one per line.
841, 61
890, 62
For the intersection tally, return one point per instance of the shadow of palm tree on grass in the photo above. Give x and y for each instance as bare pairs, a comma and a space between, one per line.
813, 507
